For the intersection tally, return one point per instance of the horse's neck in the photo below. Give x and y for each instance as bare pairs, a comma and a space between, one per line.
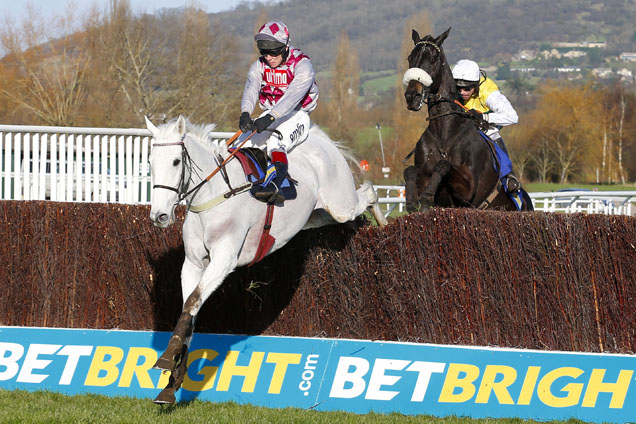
206, 159
445, 87
443, 112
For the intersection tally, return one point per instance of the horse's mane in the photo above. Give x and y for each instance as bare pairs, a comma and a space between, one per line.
200, 133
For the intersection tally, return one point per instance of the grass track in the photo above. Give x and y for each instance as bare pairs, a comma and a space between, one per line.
47, 407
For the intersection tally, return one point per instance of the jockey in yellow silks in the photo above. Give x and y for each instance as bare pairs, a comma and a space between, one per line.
492, 109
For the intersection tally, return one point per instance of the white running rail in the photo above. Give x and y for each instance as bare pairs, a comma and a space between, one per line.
111, 165
598, 202
76, 164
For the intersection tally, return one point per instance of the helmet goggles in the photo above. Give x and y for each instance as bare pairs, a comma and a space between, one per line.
460, 83
272, 52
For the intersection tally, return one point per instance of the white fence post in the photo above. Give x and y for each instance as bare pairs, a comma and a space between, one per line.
76, 164
111, 165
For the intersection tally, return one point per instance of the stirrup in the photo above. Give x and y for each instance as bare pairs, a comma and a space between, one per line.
270, 193
512, 184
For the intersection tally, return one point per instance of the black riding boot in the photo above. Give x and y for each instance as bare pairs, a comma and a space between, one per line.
512, 182
271, 193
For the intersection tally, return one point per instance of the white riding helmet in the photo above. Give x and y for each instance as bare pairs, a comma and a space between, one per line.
273, 34
466, 70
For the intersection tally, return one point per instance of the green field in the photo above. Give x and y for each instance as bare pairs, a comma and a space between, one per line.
379, 83
46, 407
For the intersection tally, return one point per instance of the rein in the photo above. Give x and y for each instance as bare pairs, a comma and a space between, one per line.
221, 165
181, 189
184, 192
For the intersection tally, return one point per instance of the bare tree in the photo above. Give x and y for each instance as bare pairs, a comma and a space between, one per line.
48, 60
344, 90
566, 122
198, 83
520, 149
618, 106
161, 66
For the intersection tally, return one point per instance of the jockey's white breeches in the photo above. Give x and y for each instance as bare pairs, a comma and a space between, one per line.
294, 129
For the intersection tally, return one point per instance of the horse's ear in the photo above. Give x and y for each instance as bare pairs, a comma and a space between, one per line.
416, 37
151, 127
440, 39
181, 125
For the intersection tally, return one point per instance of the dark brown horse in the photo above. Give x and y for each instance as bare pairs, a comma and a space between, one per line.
453, 163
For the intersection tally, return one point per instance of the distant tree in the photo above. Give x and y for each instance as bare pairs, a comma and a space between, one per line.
49, 71
619, 107
161, 66
343, 94
503, 71
566, 126
516, 86
520, 149
595, 57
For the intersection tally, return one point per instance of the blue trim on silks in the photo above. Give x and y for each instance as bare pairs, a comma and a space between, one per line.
505, 165
504, 168
270, 175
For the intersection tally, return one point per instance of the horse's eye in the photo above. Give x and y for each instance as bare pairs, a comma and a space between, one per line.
176, 162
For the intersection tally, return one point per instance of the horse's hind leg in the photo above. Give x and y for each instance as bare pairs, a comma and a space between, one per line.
369, 199
341, 199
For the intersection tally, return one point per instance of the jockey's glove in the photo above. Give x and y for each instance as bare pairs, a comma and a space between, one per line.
482, 124
245, 123
262, 123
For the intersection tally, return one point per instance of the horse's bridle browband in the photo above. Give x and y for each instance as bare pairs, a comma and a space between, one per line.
430, 43
434, 45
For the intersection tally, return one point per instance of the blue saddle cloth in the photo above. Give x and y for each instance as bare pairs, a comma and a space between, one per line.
262, 172
503, 166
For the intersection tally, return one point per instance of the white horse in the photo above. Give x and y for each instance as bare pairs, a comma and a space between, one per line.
224, 224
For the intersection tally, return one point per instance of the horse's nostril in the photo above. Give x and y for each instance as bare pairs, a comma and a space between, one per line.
163, 218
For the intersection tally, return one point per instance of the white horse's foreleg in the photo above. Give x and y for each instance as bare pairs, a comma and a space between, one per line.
191, 275
223, 261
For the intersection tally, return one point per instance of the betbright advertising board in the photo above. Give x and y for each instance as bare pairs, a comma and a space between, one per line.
327, 374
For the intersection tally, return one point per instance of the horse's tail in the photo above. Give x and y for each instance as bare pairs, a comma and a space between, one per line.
360, 175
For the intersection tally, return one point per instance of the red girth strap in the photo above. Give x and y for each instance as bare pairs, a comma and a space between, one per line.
267, 241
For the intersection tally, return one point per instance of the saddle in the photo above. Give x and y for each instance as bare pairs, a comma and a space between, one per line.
259, 170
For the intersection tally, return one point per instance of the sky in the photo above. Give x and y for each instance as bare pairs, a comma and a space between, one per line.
16, 8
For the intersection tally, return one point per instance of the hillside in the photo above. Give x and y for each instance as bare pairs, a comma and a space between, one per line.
490, 31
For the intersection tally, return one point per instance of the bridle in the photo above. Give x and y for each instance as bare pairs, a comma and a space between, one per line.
186, 160
432, 99
182, 187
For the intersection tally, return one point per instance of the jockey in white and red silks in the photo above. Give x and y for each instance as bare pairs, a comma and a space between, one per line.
282, 81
